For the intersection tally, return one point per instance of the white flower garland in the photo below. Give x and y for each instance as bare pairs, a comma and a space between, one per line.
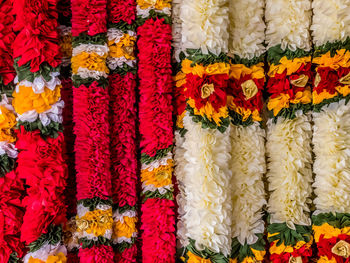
289, 169
288, 23
248, 193
204, 25
176, 29
330, 21
179, 171
332, 149
247, 28
207, 187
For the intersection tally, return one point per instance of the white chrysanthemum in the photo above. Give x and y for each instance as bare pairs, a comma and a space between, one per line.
155, 164
39, 83
247, 28
331, 140
100, 50
45, 251
114, 34
288, 23
205, 25
289, 173
176, 29
179, 172
206, 183
52, 114
248, 193
331, 21
87, 73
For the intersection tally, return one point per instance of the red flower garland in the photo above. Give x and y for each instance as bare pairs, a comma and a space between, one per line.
156, 129
41, 165
154, 71
91, 146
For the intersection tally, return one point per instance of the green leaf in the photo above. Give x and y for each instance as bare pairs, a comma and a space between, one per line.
14, 258
156, 194
88, 243
274, 54
94, 202
52, 237
123, 26
161, 153
99, 39
78, 81
247, 62
332, 47
24, 71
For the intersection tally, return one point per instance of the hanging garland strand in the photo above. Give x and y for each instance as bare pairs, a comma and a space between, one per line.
156, 130
331, 133
40, 143
289, 130
121, 61
94, 219
247, 136
11, 187
203, 133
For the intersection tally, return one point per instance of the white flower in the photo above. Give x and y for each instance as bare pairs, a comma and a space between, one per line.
288, 23
100, 50
330, 21
247, 28
289, 173
176, 29
9, 149
205, 25
248, 193
206, 182
39, 83
52, 114
179, 172
331, 140
45, 251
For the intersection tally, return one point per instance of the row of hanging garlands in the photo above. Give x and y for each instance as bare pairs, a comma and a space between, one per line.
87, 131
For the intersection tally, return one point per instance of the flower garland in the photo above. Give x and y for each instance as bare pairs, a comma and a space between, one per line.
121, 61
331, 130
247, 137
64, 19
40, 143
203, 145
94, 221
156, 130
289, 130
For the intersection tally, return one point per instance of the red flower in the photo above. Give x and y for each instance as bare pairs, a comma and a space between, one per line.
121, 10
235, 90
194, 85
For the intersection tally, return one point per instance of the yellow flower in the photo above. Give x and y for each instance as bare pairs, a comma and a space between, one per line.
123, 48
328, 231
239, 70
343, 90
278, 103
7, 123
340, 59
290, 65
158, 4
233, 260
180, 79
274, 249
59, 258
212, 69
90, 61
95, 222
179, 120
259, 254
250, 260
192, 258
125, 228
324, 95
26, 100
324, 259
245, 113
209, 111
160, 176
303, 97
